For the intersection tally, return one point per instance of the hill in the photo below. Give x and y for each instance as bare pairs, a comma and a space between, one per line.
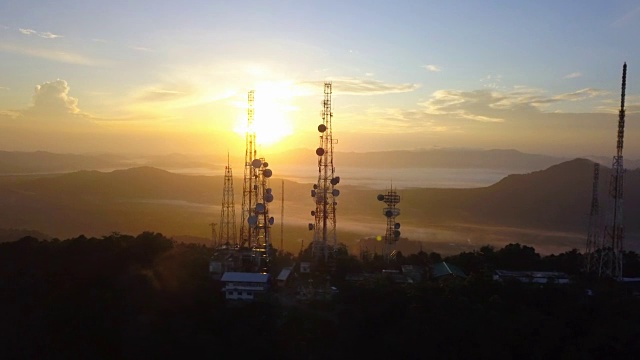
549, 206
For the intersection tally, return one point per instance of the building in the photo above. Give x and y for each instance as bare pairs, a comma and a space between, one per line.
443, 270
283, 277
245, 286
534, 277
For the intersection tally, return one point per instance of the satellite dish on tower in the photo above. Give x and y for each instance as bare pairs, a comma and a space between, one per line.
256, 163
260, 207
319, 151
267, 173
252, 220
322, 128
268, 198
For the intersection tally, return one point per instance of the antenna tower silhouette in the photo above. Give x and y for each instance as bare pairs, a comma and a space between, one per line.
228, 235
324, 191
593, 240
249, 187
282, 219
259, 222
611, 260
392, 234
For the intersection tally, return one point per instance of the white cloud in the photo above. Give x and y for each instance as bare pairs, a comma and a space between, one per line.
52, 98
140, 48
573, 75
45, 35
353, 86
495, 106
59, 56
432, 68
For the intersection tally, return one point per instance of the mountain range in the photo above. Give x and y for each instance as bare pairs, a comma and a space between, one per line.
547, 207
42, 162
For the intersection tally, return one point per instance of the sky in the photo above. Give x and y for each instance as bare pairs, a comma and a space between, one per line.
173, 76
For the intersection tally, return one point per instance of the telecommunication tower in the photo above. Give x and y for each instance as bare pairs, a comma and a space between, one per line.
282, 219
249, 187
259, 222
324, 191
228, 235
593, 239
611, 260
392, 234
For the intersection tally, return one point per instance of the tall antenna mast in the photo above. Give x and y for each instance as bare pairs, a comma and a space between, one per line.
324, 191
248, 191
228, 235
392, 233
282, 219
259, 220
611, 262
593, 241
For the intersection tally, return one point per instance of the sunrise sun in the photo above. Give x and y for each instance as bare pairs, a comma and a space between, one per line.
271, 115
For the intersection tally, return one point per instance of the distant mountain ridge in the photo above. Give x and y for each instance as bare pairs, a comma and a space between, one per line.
95, 203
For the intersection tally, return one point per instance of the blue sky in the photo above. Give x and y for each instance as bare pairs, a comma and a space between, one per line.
543, 76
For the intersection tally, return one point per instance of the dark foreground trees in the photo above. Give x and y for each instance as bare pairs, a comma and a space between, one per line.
145, 296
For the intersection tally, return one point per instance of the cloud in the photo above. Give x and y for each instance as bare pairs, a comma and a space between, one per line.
154, 94
52, 109
580, 94
52, 99
353, 86
627, 18
573, 75
433, 68
495, 106
140, 48
59, 56
45, 35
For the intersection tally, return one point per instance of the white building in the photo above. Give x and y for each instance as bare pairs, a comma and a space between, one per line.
244, 286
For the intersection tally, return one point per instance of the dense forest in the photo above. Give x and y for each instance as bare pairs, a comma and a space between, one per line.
147, 296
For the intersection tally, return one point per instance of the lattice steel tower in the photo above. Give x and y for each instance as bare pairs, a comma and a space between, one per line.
592, 261
324, 191
611, 261
392, 234
249, 194
228, 234
259, 222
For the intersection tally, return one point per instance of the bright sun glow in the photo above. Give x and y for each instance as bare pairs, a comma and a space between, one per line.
271, 119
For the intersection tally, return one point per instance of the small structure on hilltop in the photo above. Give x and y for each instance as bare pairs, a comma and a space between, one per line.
245, 286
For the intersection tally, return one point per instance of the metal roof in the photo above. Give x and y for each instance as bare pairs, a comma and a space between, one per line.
231, 276
443, 268
284, 274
